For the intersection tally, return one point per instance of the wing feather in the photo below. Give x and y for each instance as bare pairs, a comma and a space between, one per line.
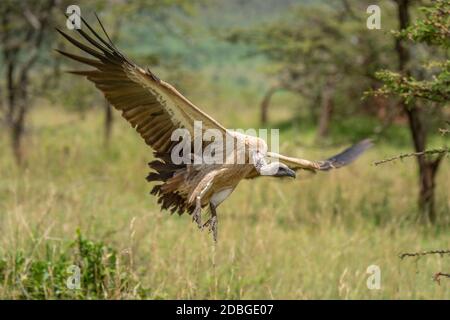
342, 159
153, 107
347, 156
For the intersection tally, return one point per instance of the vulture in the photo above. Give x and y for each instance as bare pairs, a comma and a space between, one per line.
155, 109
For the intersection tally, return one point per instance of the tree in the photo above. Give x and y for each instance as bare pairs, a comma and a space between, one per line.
27, 37
324, 52
433, 30
24, 27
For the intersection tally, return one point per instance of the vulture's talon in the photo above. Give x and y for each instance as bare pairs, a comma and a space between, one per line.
214, 228
197, 217
212, 224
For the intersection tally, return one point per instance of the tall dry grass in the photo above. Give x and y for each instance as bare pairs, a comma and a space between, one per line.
309, 238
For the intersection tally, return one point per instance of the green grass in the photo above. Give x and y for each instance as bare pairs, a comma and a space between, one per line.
309, 238
61, 269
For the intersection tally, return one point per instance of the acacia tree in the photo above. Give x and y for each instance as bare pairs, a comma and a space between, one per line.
433, 30
24, 28
322, 52
27, 36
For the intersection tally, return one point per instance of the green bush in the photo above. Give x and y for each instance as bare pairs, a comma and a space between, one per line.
102, 274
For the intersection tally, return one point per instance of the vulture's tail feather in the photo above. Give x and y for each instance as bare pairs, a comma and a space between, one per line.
168, 197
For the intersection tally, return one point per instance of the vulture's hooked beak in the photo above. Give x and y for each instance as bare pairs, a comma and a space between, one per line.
290, 173
285, 172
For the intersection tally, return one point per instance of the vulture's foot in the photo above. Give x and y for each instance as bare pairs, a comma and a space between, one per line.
197, 216
212, 224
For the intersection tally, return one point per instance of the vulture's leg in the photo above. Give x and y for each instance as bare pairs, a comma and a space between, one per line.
212, 222
197, 214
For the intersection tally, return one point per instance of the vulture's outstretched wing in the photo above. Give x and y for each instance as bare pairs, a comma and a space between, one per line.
153, 107
337, 161
347, 156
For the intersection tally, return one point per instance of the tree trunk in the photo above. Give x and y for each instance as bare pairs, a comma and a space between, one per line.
427, 168
17, 69
326, 111
265, 105
16, 124
316, 100
15, 113
17, 130
17, 108
426, 194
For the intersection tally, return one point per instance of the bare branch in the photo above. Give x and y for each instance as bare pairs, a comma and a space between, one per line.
423, 253
349, 10
441, 151
32, 19
437, 277
33, 55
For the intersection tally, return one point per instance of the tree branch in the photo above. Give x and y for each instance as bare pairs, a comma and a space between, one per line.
437, 276
440, 151
423, 253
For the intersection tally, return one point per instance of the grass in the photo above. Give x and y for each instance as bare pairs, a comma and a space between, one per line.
309, 238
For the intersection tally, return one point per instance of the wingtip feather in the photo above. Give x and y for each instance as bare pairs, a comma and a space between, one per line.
347, 156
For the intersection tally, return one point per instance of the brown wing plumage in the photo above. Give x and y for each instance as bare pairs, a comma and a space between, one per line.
153, 107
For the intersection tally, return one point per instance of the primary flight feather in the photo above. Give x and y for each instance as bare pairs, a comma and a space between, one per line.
156, 109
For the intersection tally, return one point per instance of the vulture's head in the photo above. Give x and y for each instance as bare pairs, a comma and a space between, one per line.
277, 169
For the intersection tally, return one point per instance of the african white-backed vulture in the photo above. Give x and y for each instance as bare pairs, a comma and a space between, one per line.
156, 109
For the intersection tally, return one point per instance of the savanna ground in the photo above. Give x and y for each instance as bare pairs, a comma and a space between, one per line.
76, 202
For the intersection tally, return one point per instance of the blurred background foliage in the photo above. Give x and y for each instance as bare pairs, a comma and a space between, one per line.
309, 68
